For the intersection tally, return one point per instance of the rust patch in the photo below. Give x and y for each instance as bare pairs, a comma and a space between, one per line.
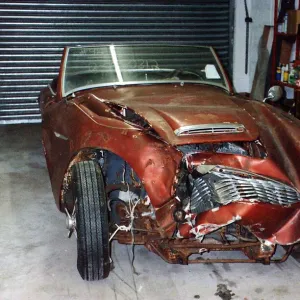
104, 136
86, 138
149, 163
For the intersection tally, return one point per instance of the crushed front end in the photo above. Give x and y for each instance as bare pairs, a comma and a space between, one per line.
228, 197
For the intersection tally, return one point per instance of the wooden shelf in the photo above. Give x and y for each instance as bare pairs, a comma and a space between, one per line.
286, 34
283, 84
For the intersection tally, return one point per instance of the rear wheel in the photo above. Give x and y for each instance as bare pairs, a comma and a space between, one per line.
93, 261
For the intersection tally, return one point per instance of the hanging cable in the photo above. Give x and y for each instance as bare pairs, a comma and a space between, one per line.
248, 20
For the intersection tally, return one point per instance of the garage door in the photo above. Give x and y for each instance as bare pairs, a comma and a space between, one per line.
33, 34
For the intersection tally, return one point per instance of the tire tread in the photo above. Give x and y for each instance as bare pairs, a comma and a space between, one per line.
92, 222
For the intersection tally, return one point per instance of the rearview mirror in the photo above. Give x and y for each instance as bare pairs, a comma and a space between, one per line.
211, 72
275, 93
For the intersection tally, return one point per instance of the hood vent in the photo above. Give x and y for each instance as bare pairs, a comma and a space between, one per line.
219, 128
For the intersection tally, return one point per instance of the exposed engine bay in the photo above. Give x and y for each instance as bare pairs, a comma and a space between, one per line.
199, 189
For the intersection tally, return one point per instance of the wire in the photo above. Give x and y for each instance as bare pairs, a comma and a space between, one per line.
122, 228
131, 216
130, 226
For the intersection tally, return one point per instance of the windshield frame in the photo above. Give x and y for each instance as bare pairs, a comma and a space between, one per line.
61, 86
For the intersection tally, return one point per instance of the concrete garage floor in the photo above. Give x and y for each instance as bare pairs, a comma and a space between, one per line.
38, 261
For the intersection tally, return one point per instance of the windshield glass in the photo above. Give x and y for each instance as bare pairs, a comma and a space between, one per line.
91, 66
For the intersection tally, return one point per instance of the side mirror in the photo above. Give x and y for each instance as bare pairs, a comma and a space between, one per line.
211, 72
274, 94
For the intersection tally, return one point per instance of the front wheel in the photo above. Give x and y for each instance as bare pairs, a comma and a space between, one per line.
93, 260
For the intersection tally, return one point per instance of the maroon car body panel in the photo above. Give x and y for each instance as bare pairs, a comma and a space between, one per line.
87, 121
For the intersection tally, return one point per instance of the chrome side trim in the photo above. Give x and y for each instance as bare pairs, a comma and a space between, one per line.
219, 128
60, 136
51, 90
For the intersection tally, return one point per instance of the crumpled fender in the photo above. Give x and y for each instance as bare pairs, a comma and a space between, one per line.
280, 135
154, 161
273, 223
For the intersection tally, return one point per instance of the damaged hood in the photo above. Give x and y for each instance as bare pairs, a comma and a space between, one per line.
185, 114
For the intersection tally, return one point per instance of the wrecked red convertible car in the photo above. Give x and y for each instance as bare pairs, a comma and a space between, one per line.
148, 145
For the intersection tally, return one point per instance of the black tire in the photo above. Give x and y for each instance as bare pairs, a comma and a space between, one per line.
93, 261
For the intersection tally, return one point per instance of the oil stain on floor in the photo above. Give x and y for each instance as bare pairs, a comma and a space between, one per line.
223, 292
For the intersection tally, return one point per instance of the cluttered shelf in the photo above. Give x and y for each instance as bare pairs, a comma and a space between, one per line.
286, 51
286, 54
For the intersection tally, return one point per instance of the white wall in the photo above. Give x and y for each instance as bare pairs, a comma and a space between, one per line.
262, 13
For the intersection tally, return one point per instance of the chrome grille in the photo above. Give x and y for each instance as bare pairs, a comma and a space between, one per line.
202, 196
217, 188
231, 188
219, 128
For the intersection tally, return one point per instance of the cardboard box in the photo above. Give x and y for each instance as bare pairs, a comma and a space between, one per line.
293, 21
285, 53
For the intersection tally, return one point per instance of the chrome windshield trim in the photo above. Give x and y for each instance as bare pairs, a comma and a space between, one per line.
63, 73
117, 84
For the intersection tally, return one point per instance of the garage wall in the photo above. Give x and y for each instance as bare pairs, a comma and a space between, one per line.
262, 13
34, 32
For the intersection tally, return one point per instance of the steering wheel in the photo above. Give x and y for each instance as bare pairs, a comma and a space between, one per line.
174, 74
